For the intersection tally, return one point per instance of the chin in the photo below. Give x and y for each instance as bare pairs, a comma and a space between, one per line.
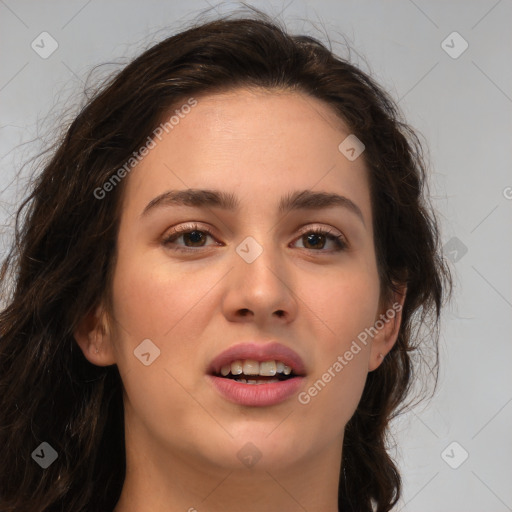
267, 447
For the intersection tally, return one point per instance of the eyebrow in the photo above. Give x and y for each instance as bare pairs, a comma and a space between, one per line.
207, 198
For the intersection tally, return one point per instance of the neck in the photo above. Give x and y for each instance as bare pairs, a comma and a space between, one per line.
174, 480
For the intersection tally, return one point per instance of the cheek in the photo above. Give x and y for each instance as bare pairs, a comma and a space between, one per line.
153, 299
345, 305
167, 307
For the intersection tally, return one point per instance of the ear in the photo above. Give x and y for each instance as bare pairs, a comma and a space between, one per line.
387, 326
93, 336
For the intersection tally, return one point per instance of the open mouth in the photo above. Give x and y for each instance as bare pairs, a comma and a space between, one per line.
256, 374
249, 371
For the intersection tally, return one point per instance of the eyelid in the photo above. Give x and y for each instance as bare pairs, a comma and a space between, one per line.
319, 227
188, 226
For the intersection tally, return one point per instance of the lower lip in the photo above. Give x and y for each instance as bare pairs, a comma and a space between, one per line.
258, 395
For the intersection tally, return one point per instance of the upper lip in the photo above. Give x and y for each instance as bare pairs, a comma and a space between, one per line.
258, 352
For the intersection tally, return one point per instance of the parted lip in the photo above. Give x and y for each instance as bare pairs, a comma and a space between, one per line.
258, 352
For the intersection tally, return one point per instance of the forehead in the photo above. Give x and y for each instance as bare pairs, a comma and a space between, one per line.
258, 144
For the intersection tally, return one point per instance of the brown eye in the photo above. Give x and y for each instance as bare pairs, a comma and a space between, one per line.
196, 237
316, 240
192, 236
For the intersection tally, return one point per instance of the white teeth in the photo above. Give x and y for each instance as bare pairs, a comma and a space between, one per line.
236, 367
251, 367
268, 368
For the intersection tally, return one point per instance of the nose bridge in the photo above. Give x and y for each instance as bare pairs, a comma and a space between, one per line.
259, 281
260, 263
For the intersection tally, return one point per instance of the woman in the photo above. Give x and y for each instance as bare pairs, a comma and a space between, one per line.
219, 279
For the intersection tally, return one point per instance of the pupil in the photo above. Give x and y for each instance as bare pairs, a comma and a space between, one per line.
314, 237
195, 236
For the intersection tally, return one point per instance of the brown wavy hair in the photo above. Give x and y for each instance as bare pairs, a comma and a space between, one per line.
61, 262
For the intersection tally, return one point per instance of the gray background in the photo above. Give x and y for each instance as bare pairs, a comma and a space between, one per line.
462, 106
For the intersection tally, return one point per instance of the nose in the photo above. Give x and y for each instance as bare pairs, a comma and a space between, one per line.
260, 291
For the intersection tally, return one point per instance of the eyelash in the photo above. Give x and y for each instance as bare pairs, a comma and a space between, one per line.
339, 240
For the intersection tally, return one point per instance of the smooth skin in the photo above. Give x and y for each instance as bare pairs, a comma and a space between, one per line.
182, 436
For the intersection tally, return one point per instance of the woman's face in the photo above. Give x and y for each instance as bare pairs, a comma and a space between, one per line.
250, 274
